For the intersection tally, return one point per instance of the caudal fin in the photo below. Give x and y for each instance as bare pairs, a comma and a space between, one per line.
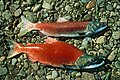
14, 49
25, 26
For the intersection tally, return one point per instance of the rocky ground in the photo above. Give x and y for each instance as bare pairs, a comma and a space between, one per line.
20, 68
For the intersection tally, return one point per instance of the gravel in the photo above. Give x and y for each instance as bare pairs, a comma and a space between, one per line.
107, 44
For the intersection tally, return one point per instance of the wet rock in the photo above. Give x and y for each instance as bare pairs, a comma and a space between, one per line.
46, 5
87, 76
30, 77
1, 6
112, 55
118, 23
85, 1
101, 39
103, 20
117, 64
6, 15
116, 34
35, 66
18, 12
67, 8
109, 6
3, 71
112, 14
2, 58
14, 60
36, 8
58, 78
21, 73
54, 74
49, 77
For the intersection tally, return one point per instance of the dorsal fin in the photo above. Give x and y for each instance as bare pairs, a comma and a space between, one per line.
50, 40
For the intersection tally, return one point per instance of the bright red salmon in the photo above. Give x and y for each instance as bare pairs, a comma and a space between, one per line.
52, 52
56, 29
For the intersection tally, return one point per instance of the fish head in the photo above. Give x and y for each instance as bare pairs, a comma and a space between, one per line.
95, 27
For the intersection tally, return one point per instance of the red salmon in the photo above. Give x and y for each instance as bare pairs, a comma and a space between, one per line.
52, 52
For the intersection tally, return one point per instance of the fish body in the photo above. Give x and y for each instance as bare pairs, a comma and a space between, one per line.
53, 52
63, 28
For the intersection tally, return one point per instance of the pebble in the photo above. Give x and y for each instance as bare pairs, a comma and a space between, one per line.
91, 4
14, 61
1, 6
58, 78
112, 55
87, 16
117, 64
26, 65
3, 71
30, 2
13, 7
35, 66
78, 74
101, 51
36, 8
54, 74
2, 58
118, 7
21, 73
7, 15
85, 1
67, 8
49, 77
116, 34
118, 23
101, 39
18, 12
46, 5
87, 76
112, 14
103, 20
37, 77
30, 77
119, 58
109, 6
31, 16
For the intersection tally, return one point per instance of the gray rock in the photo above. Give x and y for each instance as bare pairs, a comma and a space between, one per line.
46, 5
18, 12
26, 65
85, 1
118, 7
67, 8
116, 34
101, 39
118, 23
31, 16
54, 74
58, 78
1, 6
35, 66
49, 77
6, 15
3, 71
112, 14
14, 60
109, 6
21, 73
119, 58
117, 64
30, 77
103, 20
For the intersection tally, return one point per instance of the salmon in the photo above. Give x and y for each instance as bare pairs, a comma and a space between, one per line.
62, 28
52, 52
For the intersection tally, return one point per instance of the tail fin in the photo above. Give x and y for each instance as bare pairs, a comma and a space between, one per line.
25, 26
14, 49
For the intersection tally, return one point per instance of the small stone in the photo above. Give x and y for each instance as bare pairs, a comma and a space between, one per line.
112, 55
119, 58
25, 64
103, 20
85, 1
116, 34
30, 77
18, 12
36, 8
21, 73
109, 6
78, 74
3, 71
30, 2
46, 5
49, 77
13, 7
118, 7
91, 4
58, 78
112, 14
35, 66
14, 60
117, 64
118, 23
37, 77
87, 16
2, 58
54, 74
6, 15
87, 76
1, 6
101, 51
67, 8
31, 16
101, 39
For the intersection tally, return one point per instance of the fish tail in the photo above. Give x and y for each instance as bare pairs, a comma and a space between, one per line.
25, 26
14, 49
